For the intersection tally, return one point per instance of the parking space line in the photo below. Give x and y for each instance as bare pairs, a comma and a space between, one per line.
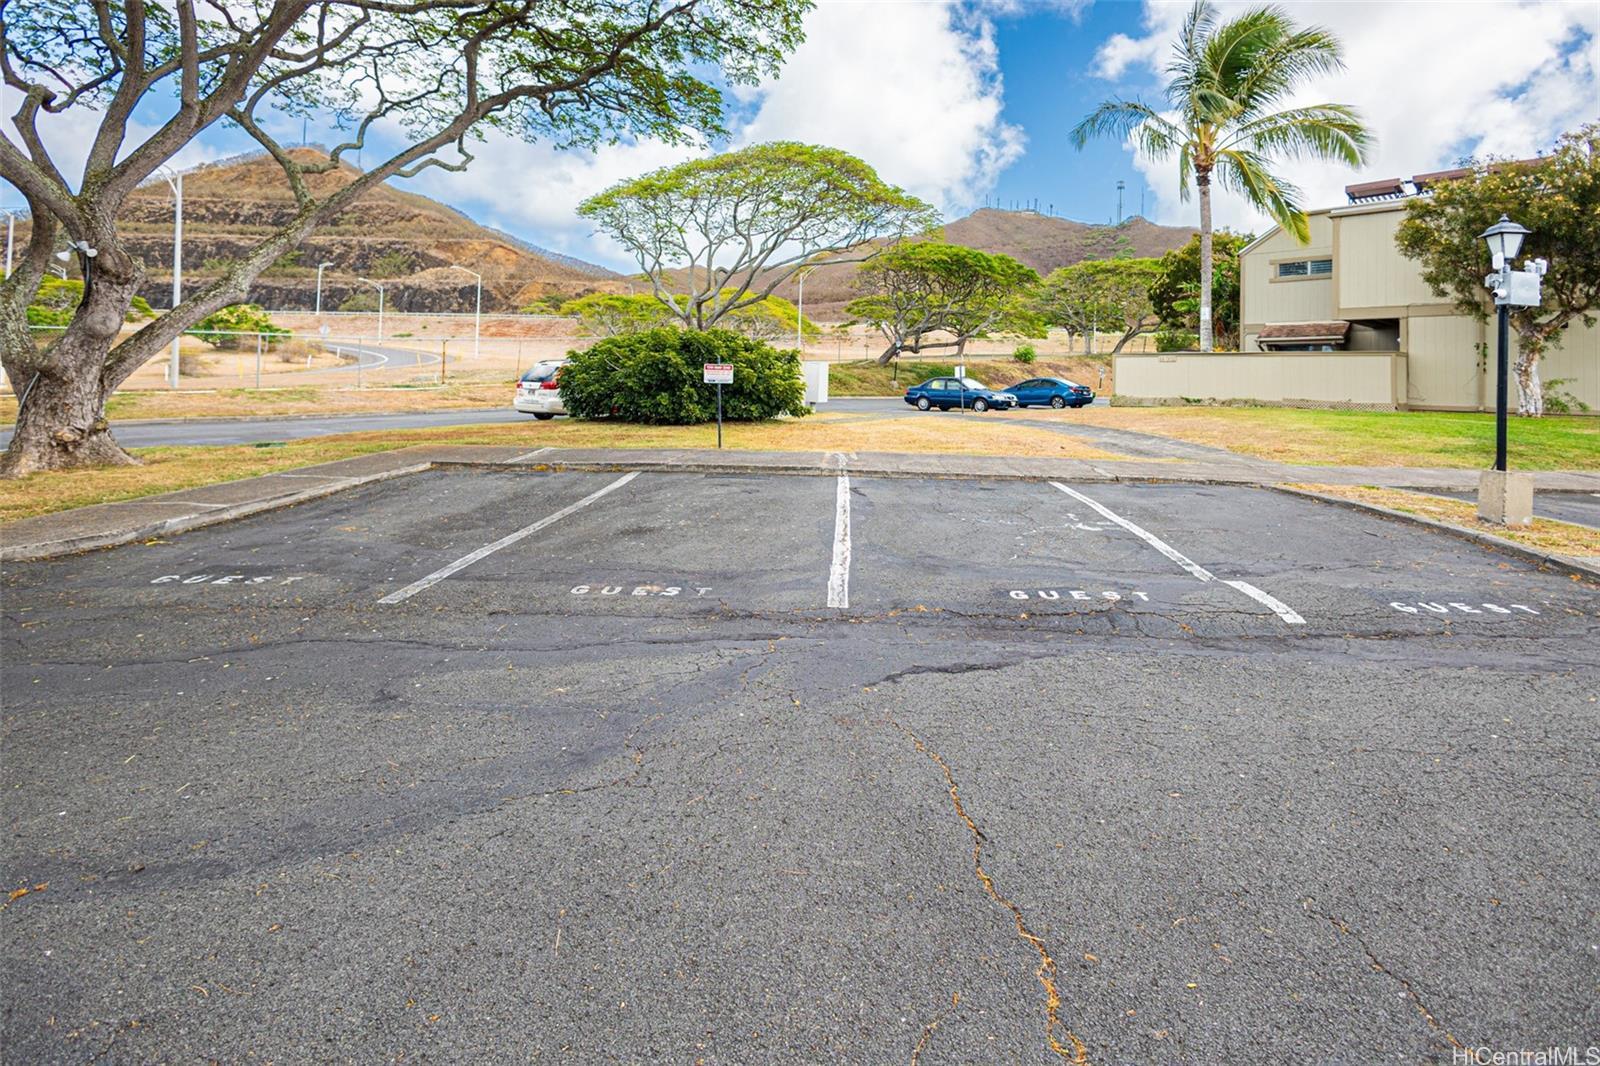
489, 549
839, 574
529, 455
1277, 606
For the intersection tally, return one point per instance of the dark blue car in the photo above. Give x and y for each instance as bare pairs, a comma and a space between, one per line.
945, 393
1056, 392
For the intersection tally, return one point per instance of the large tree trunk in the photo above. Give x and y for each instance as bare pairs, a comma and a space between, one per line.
62, 390
1530, 391
1202, 179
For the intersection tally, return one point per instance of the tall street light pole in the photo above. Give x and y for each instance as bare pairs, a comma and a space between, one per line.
477, 314
176, 184
320, 268
1507, 498
379, 286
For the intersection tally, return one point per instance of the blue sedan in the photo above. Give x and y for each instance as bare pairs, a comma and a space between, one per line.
1057, 392
945, 393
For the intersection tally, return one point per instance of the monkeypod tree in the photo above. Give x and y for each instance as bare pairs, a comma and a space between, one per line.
1099, 294
431, 74
1227, 82
719, 234
1557, 197
612, 314
923, 290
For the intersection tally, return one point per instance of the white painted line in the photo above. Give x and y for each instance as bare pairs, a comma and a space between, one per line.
506, 541
1277, 606
839, 575
530, 455
1149, 538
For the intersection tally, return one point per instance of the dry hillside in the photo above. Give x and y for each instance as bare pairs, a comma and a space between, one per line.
1041, 241
403, 239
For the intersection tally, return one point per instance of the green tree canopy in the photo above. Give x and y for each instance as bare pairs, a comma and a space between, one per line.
611, 314
1175, 293
432, 75
1557, 197
225, 327
719, 234
1109, 295
1227, 83
925, 289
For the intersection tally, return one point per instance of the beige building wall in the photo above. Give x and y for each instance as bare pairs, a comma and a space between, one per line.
1290, 299
1372, 274
1366, 379
1578, 361
1446, 369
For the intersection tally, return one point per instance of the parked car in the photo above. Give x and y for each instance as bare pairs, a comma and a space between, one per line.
945, 393
1057, 392
538, 391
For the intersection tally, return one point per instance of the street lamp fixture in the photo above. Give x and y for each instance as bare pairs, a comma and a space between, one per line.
1505, 241
477, 314
379, 286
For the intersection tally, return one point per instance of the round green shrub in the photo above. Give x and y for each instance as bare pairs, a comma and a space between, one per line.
655, 376
1025, 353
1174, 340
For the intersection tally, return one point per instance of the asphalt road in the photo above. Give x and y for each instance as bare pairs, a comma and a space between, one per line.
254, 431
1168, 773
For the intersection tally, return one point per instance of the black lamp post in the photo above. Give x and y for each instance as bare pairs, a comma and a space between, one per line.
1505, 241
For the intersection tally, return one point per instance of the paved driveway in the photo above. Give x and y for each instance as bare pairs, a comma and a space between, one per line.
518, 766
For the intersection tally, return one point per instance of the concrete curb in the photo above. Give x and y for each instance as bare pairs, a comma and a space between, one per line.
53, 549
1583, 569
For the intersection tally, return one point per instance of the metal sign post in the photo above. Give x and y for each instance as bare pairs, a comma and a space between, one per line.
718, 374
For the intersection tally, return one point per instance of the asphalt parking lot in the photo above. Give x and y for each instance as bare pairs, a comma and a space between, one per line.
640, 767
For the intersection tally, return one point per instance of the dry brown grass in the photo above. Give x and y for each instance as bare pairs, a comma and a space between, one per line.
170, 469
1545, 534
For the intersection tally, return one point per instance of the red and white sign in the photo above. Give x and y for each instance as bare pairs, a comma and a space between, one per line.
718, 373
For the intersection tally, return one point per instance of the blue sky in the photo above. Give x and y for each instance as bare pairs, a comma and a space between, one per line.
963, 102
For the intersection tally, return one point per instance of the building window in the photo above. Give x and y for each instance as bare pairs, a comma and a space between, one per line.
1305, 268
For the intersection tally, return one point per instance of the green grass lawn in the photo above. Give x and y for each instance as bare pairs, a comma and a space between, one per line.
1369, 438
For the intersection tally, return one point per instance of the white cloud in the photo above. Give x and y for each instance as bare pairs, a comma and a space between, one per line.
533, 190
1433, 81
913, 89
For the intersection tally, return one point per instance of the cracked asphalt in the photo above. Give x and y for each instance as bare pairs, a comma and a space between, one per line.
627, 789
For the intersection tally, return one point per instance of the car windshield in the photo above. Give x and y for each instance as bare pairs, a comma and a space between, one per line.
972, 383
1068, 384
542, 372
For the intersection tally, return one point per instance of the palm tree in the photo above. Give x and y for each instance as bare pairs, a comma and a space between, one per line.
1223, 83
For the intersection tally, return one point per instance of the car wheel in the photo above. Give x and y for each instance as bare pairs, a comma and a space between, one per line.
1058, 402
543, 418
980, 405
922, 403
